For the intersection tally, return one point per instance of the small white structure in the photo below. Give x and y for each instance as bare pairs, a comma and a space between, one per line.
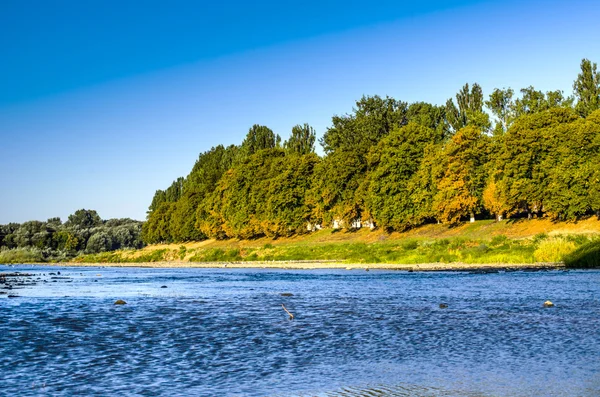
313, 227
370, 224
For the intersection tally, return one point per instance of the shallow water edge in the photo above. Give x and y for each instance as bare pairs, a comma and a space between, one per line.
311, 265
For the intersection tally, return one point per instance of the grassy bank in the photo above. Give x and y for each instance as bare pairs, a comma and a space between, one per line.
509, 242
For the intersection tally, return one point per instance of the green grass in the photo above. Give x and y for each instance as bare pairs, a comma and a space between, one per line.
576, 250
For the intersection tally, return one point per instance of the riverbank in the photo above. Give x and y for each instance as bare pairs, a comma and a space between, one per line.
514, 242
519, 242
312, 265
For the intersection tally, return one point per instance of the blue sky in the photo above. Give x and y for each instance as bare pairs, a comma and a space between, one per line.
102, 105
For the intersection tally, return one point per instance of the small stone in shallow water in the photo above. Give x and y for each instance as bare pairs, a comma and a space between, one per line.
120, 302
287, 294
164, 286
443, 306
548, 304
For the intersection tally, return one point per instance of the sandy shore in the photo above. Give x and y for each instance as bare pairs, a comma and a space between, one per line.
328, 265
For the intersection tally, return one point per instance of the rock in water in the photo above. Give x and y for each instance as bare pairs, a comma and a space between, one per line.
120, 302
548, 304
164, 286
287, 294
443, 306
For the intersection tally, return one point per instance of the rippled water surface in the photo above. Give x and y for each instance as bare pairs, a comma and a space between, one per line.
223, 332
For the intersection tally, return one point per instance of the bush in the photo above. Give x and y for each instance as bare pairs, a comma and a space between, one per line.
586, 256
553, 249
410, 245
21, 255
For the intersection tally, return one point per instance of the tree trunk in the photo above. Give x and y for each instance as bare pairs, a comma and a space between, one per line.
472, 217
499, 217
598, 214
528, 214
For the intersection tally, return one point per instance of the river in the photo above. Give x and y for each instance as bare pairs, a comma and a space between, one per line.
223, 332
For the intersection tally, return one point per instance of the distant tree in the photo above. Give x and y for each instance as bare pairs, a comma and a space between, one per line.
302, 140
100, 241
587, 88
84, 219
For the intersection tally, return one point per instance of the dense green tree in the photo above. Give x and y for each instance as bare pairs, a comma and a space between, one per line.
429, 116
423, 184
392, 165
587, 88
183, 218
460, 190
157, 228
264, 195
521, 175
84, 219
336, 192
571, 165
100, 241
372, 119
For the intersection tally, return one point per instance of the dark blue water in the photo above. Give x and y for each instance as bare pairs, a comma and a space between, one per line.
223, 332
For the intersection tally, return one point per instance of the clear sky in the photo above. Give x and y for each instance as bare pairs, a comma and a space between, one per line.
102, 103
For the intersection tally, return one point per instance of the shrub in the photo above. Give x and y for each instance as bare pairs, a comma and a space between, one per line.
21, 255
410, 245
553, 249
498, 240
586, 256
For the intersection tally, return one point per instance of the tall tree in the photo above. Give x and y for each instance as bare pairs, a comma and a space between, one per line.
587, 88
461, 188
392, 164
521, 174
302, 140
258, 138
535, 101
468, 109
500, 104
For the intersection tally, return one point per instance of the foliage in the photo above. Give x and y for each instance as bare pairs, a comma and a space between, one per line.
587, 88
586, 256
460, 189
85, 231
553, 249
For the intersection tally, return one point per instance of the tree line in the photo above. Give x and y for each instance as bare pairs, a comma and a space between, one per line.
396, 165
83, 232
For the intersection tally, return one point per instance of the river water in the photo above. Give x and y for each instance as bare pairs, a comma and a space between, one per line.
223, 332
